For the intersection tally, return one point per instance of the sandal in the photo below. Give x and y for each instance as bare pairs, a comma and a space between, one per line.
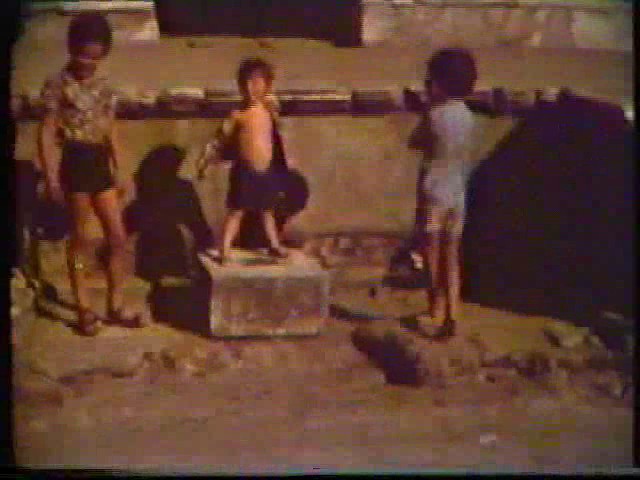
278, 252
89, 323
438, 332
123, 318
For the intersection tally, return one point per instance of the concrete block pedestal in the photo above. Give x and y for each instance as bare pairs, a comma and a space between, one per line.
259, 297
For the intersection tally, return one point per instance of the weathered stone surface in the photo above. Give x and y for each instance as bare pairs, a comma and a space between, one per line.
33, 389
611, 384
56, 288
73, 355
573, 25
565, 335
394, 351
252, 298
190, 360
408, 359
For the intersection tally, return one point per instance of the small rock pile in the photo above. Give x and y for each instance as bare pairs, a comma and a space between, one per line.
351, 250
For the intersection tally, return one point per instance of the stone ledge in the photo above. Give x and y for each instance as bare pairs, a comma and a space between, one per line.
92, 6
527, 24
218, 104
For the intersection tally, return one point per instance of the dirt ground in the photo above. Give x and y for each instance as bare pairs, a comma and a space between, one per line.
320, 405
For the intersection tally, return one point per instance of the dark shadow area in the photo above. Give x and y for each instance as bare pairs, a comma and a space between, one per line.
167, 216
391, 359
48, 219
36, 217
183, 306
171, 228
403, 272
341, 313
333, 20
550, 215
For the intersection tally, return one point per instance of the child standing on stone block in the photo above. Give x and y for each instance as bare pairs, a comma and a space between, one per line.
447, 143
80, 118
248, 138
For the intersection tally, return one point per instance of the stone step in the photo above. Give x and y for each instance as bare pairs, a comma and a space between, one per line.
256, 297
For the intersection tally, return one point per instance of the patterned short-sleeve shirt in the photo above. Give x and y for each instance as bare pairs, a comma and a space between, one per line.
85, 110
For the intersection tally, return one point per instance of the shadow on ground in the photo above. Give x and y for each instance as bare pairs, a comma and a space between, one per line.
550, 218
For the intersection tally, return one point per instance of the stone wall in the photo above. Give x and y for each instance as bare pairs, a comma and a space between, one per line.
485, 23
361, 173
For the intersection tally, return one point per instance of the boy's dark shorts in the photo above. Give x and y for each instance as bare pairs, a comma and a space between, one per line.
252, 190
84, 168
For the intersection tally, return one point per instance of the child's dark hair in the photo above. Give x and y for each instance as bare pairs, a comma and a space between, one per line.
88, 28
455, 71
250, 66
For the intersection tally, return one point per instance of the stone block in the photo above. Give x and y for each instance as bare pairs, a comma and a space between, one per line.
257, 297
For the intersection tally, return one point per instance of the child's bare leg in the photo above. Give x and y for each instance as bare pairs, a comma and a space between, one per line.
108, 210
432, 252
453, 265
272, 232
77, 256
230, 231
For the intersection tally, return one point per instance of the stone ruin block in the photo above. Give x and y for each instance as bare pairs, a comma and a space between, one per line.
256, 297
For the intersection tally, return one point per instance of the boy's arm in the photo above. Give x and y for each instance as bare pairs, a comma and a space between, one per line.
48, 152
116, 150
213, 150
422, 137
290, 159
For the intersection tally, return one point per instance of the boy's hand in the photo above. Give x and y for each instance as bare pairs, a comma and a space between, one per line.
125, 187
54, 192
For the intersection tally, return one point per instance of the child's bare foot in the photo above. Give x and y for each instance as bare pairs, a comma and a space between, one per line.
89, 323
124, 317
436, 330
279, 252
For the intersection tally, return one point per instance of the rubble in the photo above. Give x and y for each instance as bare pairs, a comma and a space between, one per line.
564, 335
33, 389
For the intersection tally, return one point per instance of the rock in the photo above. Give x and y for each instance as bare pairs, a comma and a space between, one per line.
394, 351
81, 385
38, 425
595, 342
488, 439
530, 364
115, 356
37, 390
611, 384
565, 335
197, 362
345, 244
82, 419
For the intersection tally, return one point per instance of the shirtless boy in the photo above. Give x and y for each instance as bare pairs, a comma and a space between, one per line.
246, 138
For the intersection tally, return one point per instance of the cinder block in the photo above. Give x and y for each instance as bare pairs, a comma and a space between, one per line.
258, 298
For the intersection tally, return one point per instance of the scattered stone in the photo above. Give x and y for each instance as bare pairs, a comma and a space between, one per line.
573, 362
127, 412
33, 389
189, 361
566, 336
38, 425
488, 439
530, 364
345, 244
81, 385
595, 342
116, 356
394, 351
82, 419
611, 384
